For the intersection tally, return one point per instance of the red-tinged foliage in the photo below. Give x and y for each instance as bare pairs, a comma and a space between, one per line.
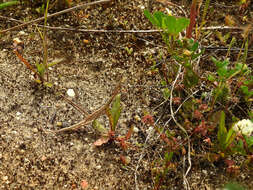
30, 67
148, 119
244, 6
129, 133
203, 107
176, 100
197, 114
208, 141
229, 162
232, 168
202, 128
122, 142
123, 159
179, 87
165, 139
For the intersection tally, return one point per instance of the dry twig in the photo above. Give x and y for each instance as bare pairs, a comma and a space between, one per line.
186, 183
94, 115
55, 14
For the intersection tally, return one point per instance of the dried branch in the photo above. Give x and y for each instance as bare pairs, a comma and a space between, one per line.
55, 14
94, 115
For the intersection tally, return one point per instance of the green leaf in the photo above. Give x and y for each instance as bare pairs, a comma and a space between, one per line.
195, 46
211, 78
233, 186
41, 69
115, 112
48, 84
159, 18
156, 20
166, 93
249, 140
8, 4
222, 131
230, 137
56, 61
99, 127
169, 24
181, 24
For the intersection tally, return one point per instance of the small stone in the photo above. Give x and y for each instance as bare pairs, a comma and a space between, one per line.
71, 93
98, 167
204, 172
43, 158
59, 124
61, 179
35, 130
137, 118
22, 33
142, 7
18, 114
5, 178
135, 129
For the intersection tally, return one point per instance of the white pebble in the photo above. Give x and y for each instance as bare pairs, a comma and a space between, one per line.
71, 93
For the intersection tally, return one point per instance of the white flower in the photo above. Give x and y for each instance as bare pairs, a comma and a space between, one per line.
244, 127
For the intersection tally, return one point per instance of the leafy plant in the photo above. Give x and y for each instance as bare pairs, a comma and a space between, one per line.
246, 89
225, 137
225, 74
184, 51
113, 115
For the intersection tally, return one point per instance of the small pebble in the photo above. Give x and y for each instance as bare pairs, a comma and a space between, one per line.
137, 118
71, 93
135, 130
35, 130
22, 33
18, 114
59, 124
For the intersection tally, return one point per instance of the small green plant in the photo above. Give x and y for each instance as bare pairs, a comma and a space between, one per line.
40, 69
129, 50
184, 51
222, 82
113, 115
225, 137
247, 91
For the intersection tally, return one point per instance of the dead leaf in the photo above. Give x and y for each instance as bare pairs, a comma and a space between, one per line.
101, 141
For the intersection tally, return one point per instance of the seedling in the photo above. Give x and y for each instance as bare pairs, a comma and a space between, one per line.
225, 137
113, 115
40, 69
